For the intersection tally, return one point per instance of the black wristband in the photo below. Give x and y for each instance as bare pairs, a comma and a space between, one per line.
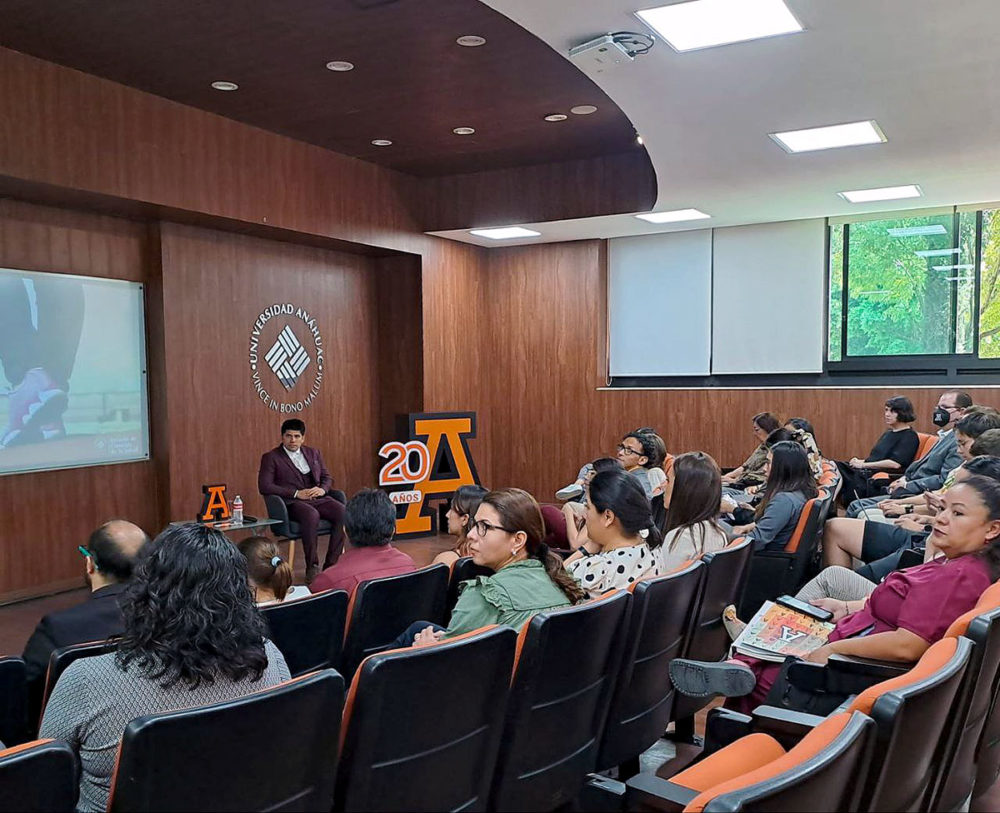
583, 549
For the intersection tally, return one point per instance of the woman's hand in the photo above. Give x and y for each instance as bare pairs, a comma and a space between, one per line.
836, 606
910, 523
752, 489
820, 656
934, 501
740, 530
857, 463
428, 636
892, 508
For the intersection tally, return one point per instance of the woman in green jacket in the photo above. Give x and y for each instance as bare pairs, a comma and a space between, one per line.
506, 536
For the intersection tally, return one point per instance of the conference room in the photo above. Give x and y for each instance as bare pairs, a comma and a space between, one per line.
499, 405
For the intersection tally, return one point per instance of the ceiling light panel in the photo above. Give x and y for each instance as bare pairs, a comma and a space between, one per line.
854, 134
676, 216
884, 193
506, 233
707, 23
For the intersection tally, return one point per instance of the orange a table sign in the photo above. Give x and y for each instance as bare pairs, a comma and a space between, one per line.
430, 464
214, 505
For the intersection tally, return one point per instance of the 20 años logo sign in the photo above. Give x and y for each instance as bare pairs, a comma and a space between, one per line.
285, 341
430, 465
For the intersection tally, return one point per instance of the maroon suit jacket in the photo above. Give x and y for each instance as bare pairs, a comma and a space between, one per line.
278, 475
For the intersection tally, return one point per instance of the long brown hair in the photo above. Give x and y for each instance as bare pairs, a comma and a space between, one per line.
465, 502
696, 496
265, 567
519, 511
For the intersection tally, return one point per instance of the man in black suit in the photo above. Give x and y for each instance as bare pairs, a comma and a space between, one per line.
111, 553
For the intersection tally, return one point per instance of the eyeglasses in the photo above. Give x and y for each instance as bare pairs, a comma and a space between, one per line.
482, 527
623, 448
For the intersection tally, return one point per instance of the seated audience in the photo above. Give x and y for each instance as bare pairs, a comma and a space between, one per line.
642, 453
460, 513
575, 513
928, 473
790, 484
192, 637
694, 488
270, 575
370, 524
899, 620
892, 452
751, 473
110, 556
505, 536
622, 537
801, 424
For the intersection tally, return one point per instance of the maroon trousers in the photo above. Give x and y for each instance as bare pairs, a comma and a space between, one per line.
308, 513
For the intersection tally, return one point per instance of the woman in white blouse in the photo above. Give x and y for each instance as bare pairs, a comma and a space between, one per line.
622, 537
693, 491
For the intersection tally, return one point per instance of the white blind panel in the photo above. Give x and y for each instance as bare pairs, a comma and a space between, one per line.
660, 304
768, 298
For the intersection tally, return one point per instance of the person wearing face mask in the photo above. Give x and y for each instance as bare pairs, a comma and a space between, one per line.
898, 621
928, 473
506, 535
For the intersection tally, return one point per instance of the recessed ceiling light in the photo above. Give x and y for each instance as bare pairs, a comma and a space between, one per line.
381, 142
506, 233
340, 66
853, 134
583, 110
464, 130
937, 252
917, 231
471, 41
225, 86
883, 193
675, 216
706, 23
556, 117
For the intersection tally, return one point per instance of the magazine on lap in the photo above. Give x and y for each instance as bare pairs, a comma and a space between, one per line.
776, 632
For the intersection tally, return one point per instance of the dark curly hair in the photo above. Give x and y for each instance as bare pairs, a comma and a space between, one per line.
189, 613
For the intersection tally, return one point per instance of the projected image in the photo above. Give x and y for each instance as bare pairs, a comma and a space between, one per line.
72, 372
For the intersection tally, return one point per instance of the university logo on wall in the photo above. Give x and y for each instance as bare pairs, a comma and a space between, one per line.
429, 466
286, 357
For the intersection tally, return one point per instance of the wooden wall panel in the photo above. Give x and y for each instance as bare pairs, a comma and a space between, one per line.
47, 514
215, 285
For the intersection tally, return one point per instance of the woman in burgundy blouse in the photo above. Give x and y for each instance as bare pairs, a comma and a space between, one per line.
905, 614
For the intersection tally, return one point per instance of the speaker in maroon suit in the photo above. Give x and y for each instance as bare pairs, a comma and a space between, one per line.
296, 473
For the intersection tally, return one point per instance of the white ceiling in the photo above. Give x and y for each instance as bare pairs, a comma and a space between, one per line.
927, 70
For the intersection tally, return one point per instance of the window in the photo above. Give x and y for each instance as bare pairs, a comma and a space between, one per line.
922, 285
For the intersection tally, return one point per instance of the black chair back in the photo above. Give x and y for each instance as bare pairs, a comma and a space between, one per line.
564, 677
405, 749
273, 750
463, 570
659, 512
62, 658
38, 777
659, 625
277, 509
13, 701
381, 609
309, 631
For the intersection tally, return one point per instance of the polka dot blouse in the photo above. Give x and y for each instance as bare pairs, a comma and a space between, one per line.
614, 569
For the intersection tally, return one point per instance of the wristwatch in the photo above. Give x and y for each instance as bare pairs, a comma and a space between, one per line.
908, 509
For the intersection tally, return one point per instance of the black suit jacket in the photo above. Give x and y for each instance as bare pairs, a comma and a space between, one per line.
95, 619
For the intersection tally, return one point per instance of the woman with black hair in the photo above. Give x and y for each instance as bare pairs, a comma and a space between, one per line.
892, 452
751, 473
193, 637
622, 537
790, 484
463, 507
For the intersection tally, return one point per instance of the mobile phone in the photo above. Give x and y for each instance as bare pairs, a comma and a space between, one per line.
805, 608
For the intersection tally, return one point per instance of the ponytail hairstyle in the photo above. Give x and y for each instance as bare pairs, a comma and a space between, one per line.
621, 494
465, 502
519, 512
695, 500
790, 471
265, 568
988, 490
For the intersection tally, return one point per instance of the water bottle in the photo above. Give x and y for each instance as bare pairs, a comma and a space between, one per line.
238, 510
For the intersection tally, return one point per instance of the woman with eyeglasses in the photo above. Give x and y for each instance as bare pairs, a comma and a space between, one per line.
506, 536
751, 473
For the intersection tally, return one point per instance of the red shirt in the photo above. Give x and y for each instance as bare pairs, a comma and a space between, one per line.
356, 565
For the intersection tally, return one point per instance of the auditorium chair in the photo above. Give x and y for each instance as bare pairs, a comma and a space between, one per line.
564, 673
381, 609
273, 750
309, 631
913, 713
725, 577
13, 701
783, 572
63, 657
422, 725
463, 570
659, 513
289, 530
823, 771
39, 777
